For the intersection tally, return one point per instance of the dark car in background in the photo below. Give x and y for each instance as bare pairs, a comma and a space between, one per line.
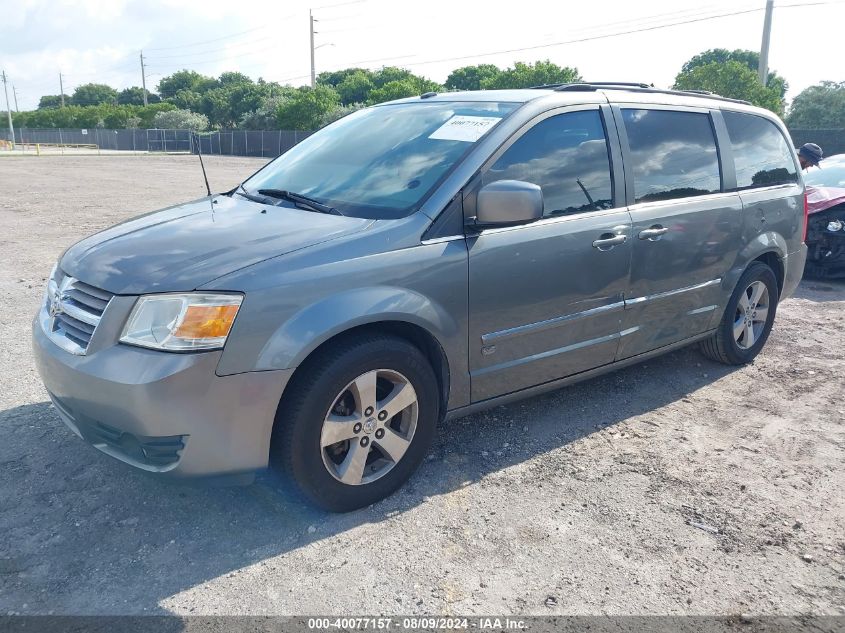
826, 228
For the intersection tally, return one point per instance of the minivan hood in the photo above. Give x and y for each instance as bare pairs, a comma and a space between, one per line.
185, 246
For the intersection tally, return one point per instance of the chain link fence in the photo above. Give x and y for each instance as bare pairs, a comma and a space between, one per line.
831, 141
264, 143
257, 143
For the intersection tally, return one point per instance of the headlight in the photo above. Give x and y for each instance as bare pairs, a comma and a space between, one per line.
834, 225
181, 322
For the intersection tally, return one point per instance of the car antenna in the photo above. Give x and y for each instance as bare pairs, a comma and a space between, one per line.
195, 138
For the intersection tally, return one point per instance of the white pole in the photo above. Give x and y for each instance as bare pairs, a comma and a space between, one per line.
144, 78
8, 111
313, 67
764, 46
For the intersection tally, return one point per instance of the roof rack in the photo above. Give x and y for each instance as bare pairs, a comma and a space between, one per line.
634, 87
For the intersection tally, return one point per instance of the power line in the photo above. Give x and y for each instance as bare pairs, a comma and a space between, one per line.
687, 12
216, 50
169, 65
224, 37
216, 39
600, 37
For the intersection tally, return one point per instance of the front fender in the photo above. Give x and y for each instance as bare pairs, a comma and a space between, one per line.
314, 325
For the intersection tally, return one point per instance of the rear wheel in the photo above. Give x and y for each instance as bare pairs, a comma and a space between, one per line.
747, 320
356, 421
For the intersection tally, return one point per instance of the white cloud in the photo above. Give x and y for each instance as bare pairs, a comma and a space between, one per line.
99, 40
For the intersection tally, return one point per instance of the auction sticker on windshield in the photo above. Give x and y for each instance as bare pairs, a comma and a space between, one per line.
464, 128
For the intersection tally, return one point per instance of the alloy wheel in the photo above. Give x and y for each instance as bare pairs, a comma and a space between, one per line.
752, 311
369, 427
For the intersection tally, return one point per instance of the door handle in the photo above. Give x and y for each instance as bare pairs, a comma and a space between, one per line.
653, 233
607, 241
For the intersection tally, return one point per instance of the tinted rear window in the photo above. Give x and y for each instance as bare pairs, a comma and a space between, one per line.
673, 154
761, 153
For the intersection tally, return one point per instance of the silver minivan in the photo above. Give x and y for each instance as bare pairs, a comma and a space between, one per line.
417, 261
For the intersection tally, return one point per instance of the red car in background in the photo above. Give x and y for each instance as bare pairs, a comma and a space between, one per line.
826, 230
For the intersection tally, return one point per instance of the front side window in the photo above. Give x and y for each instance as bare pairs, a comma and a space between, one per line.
761, 154
673, 154
382, 162
567, 156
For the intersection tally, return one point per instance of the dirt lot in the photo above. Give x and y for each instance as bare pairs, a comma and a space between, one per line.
584, 501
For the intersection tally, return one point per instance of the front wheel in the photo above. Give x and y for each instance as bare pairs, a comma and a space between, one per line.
747, 320
357, 420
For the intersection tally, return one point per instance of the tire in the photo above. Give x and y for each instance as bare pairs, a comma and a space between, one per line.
338, 381
730, 348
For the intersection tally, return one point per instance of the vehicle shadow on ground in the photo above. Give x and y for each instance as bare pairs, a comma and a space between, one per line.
79, 524
821, 290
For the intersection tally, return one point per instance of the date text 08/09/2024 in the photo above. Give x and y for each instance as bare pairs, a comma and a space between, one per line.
415, 623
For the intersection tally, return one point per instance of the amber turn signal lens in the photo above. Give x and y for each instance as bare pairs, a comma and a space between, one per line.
206, 321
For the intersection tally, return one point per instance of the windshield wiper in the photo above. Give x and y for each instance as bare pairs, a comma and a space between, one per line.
241, 191
299, 199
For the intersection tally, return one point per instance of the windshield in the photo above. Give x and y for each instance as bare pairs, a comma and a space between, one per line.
381, 162
831, 174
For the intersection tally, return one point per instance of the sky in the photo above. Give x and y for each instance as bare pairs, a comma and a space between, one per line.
606, 40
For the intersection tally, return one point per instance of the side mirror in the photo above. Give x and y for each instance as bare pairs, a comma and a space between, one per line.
505, 202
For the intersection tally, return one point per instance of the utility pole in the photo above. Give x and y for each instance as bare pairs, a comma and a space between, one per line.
143, 78
61, 90
8, 111
313, 68
15, 95
764, 47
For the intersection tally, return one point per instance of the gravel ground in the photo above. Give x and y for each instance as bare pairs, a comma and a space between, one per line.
675, 487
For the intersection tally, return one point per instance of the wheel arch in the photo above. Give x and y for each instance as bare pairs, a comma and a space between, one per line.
773, 261
382, 309
414, 334
769, 248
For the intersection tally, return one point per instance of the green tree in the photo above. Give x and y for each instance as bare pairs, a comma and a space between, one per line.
214, 104
409, 85
391, 73
397, 89
135, 96
819, 106
528, 75
52, 101
339, 113
189, 80
103, 115
335, 77
355, 88
731, 79
470, 77
186, 100
751, 59
93, 94
181, 120
233, 78
305, 107
264, 116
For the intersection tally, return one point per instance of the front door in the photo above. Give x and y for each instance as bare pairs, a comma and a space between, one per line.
546, 299
686, 230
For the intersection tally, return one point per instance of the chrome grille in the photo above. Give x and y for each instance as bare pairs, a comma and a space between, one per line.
74, 309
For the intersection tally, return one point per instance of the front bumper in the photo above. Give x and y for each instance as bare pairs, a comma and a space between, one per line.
162, 412
826, 257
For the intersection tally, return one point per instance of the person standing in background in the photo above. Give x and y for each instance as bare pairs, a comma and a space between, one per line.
809, 154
